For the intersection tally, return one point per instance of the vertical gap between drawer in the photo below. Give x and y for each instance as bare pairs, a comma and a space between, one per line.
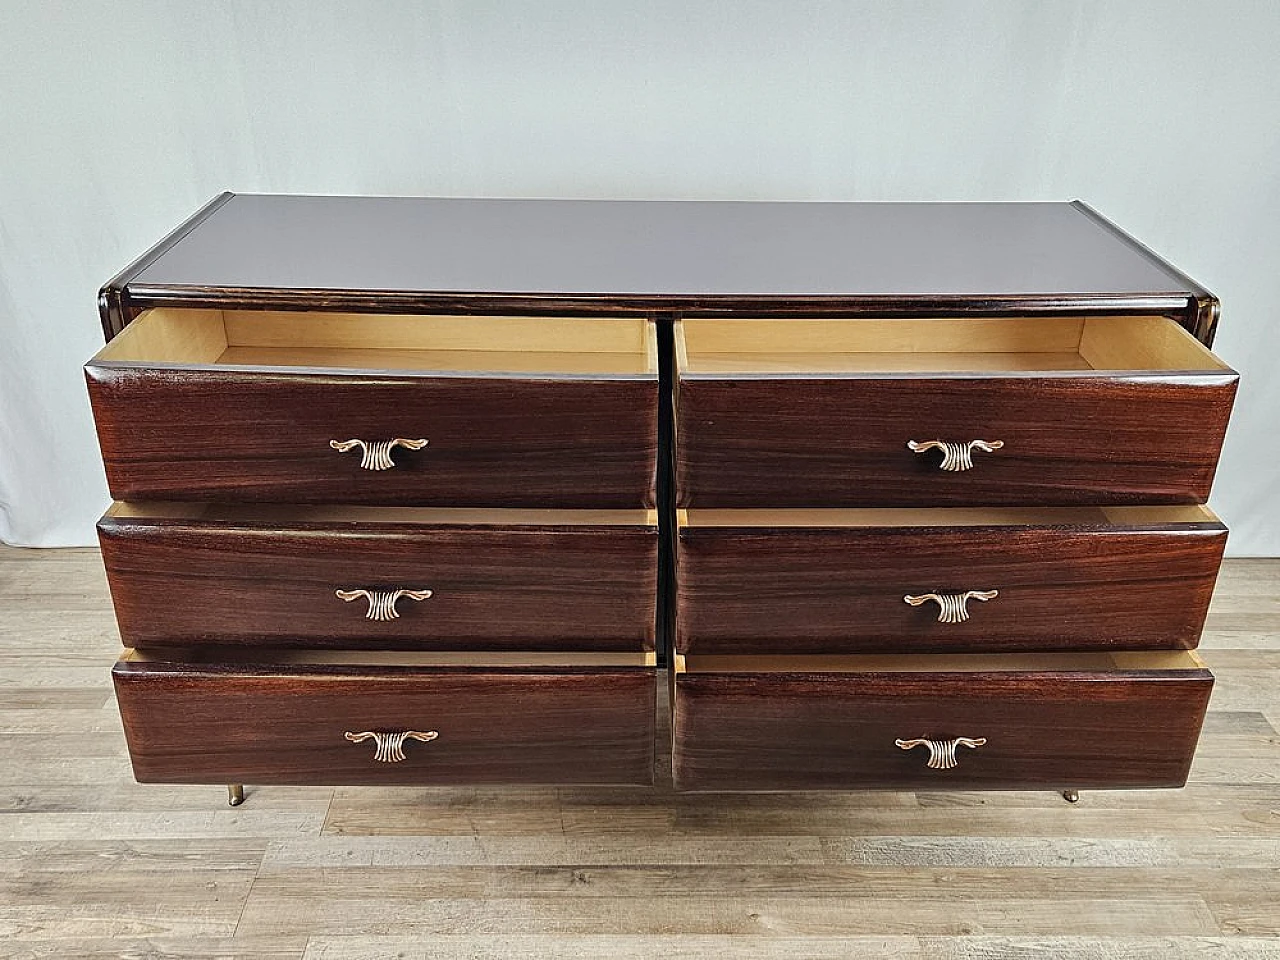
665, 482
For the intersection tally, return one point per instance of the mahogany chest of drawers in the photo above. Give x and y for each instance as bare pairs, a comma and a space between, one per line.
426, 491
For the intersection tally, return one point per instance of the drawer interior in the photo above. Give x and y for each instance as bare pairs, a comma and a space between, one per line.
534, 345
839, 517
1117, 662
300, 660
965, 345
297, 515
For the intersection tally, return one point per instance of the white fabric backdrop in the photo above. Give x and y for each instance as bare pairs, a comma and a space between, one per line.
118, 119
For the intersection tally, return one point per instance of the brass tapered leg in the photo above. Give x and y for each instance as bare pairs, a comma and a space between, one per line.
235, 794
1071, 796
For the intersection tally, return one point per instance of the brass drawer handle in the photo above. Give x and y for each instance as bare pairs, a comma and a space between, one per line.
390, 746
942, 753
955, 456
376, 454
952, 607
382, 603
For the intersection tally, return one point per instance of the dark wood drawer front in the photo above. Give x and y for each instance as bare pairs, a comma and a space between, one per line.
288, 725
814, 731
537, 585
258, 436
1139, 583
994, 410
843, 442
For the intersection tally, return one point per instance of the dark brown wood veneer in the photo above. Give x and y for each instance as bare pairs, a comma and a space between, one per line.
841, 441
495, 585
840, 589
199, 723
252, 670
264, 437
815, 731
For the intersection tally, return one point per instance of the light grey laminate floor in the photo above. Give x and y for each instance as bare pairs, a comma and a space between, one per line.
92, 864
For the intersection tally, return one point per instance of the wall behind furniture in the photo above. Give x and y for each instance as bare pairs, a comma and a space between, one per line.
118, 119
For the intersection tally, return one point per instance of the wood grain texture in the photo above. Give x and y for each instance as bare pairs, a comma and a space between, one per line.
842, 441
93, 864
749, 589
480, 346
527, 587
203, 723
816, 731
493, 441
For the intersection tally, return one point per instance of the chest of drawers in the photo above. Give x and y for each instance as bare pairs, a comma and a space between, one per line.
425, 491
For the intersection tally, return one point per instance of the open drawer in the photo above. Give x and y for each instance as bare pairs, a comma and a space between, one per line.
412, 578
1005, 721
355, 408
960, 579
343, 718
907, 412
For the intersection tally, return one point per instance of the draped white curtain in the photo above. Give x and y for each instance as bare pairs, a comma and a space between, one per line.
118, 119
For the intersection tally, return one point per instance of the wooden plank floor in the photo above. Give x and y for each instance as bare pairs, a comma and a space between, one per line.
92, 864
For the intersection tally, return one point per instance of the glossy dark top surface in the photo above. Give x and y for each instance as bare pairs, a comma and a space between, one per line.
660, 249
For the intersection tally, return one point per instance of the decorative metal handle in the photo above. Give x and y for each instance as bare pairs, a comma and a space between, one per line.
955, 456
376, 454
390, 746
942, 753
382, 603
952, 607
